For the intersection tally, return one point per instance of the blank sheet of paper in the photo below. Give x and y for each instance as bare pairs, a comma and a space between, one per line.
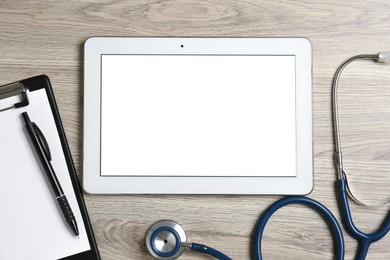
31, 223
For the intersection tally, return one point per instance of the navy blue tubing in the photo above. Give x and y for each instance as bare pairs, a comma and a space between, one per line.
210, 251
338, 234
364, 239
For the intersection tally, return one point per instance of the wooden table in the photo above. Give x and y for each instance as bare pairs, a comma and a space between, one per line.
46, 37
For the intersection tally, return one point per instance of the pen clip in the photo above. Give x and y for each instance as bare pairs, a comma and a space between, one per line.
42, 140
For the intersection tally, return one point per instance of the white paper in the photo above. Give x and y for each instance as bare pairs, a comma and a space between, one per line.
194, 115
31, 223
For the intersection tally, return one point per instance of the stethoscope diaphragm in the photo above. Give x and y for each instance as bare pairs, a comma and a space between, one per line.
166, 240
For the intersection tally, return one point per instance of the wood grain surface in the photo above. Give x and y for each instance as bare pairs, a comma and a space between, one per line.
46, 37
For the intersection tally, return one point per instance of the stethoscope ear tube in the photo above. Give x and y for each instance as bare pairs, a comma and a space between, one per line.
335, 107
335, 227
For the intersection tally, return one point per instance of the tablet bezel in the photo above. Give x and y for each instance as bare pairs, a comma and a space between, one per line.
94, 183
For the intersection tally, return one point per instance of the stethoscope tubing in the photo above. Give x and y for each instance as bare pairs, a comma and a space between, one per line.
334, 225
364, 239
209, 250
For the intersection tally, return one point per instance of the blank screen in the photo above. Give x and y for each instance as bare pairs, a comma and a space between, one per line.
198, 115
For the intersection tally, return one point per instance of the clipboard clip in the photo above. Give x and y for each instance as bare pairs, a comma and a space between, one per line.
13, 89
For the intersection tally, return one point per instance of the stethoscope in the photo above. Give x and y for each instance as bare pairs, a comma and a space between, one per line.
167, 240
364, 239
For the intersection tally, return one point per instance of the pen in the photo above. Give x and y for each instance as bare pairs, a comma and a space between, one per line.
42, 149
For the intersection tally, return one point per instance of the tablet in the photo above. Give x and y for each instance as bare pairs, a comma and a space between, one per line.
198, 115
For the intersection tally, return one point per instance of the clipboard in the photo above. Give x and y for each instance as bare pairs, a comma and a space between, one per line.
31, 223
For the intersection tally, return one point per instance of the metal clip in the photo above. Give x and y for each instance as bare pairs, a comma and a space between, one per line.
14, 89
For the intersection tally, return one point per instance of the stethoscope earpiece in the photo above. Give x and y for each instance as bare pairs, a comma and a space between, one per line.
166, 240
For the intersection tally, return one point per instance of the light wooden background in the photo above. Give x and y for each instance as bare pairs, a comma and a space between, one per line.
46, 37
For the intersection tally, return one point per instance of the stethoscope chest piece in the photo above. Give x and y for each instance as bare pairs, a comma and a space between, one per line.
166, 240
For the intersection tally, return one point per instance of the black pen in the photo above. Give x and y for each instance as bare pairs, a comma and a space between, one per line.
42, 149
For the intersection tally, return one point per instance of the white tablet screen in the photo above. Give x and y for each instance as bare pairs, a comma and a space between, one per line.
198, 115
